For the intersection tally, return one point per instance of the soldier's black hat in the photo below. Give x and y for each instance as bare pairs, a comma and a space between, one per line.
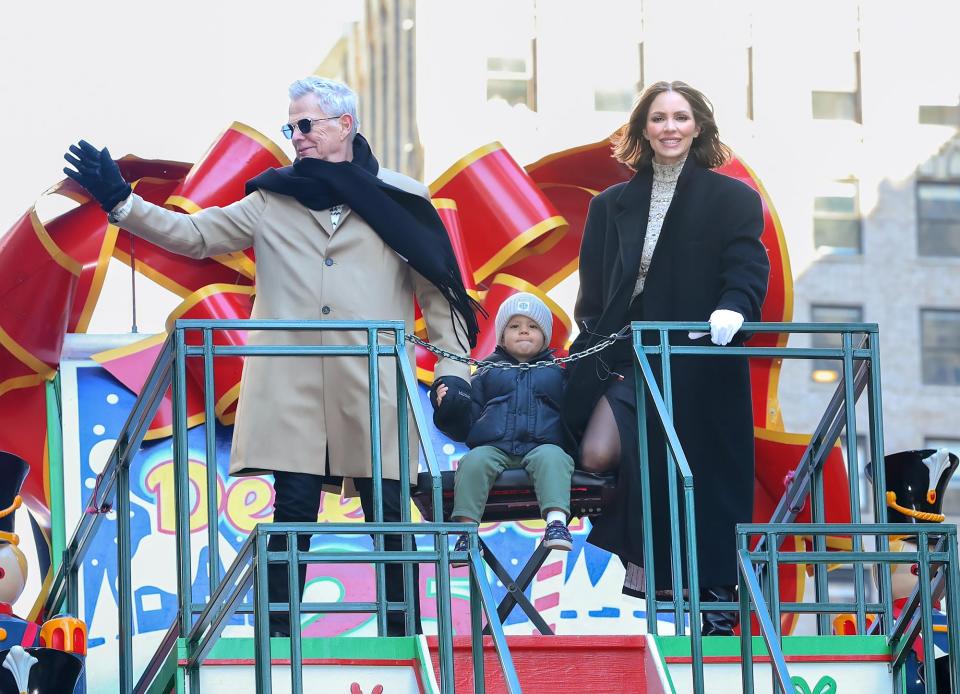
916, 483
55, 672
13, 471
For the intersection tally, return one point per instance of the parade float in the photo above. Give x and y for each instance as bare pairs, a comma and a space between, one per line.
65, 398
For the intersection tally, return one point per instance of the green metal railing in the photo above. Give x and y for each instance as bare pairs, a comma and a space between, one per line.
201, 623
250, 569
750, 593
860, 370
169, 372
936, 559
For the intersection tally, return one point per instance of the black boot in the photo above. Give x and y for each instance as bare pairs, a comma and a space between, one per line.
719, 623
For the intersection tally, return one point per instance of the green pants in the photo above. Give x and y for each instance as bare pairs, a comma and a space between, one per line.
548, 466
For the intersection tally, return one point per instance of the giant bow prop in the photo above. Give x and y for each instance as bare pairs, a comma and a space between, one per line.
512, 229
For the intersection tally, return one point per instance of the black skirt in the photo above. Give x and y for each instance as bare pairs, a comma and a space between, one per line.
620, 529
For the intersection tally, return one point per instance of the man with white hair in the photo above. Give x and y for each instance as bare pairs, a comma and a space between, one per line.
336, 237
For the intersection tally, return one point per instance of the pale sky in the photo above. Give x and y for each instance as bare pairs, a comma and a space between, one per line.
129, 76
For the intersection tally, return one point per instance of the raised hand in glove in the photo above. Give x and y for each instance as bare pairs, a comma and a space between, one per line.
98, 173
724, 324
452, 400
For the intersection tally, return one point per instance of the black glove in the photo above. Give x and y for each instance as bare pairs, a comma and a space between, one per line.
98, 173
452, 416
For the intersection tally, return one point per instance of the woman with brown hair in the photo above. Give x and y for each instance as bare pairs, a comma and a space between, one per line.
677, 242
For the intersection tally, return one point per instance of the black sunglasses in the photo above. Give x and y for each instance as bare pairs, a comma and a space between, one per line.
303, 125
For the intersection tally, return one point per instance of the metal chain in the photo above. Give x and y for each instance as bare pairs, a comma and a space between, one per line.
483, 363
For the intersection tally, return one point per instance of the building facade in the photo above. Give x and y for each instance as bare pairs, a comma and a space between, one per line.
847, 110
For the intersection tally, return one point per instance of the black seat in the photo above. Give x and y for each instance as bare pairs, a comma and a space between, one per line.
513, 499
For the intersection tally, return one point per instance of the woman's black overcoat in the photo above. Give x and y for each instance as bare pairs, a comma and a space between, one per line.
708, 256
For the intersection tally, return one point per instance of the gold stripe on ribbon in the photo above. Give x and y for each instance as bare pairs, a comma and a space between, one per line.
205, 293
166, 282
548, 242
262, 140
99, 275
516, 245
424, 376
462, 164
36, 612
235, 261
185, 204
547, 186
238, 261
560, 275
46, 471
223, 404
24, 357
163, 280
773, 412
167, 431
420, 326
530, 168
784, 254
58, 254
19, 382
127, 350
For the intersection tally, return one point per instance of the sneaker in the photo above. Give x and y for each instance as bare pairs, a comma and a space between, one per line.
557, 536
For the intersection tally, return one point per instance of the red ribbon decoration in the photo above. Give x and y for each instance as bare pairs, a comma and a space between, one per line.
512, 229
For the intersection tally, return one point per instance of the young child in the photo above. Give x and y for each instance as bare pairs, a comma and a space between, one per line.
515, 422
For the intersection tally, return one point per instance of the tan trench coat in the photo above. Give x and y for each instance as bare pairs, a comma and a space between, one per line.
296, 413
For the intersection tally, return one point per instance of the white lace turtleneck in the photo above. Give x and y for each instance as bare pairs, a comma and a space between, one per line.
664, 184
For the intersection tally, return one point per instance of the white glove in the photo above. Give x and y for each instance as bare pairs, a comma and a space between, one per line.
724, 324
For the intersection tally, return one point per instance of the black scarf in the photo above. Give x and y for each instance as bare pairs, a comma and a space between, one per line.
406, 222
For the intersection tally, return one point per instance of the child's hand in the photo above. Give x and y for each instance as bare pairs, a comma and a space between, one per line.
452, 417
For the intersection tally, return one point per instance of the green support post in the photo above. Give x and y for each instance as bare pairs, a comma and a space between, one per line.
476, 622
181, 482
58, 531
376, 465
645, 494
263, 663
293, 593
213, 476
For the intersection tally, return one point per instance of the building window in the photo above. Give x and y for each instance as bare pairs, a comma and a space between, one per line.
513, 79
835, 106
836, 218
840, 99
940, 335
512, 58
613, 99
938, 218
830, 370
834, 66
619, 77
642, 68
939, 115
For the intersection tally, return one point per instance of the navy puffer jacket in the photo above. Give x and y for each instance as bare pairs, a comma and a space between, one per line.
516, 410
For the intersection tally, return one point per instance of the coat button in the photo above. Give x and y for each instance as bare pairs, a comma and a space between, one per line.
325, 310
328, 262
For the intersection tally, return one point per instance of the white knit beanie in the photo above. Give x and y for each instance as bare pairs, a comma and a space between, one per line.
524, 304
